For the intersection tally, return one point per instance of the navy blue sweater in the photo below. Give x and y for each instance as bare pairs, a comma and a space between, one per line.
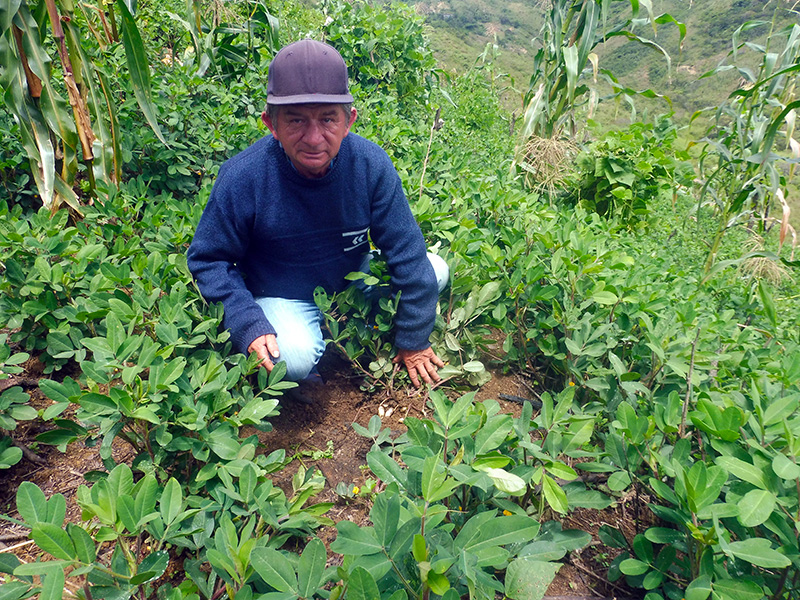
269, 231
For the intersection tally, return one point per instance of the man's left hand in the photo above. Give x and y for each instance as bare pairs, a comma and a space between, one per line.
421, 364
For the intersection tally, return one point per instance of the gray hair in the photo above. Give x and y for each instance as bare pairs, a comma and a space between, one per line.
273, 110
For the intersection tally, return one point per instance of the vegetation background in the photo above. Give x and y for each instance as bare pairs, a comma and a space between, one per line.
635, 266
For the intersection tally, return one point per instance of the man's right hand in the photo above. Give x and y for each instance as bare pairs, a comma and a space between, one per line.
266, 348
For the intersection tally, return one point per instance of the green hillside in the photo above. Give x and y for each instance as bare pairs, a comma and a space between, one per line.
460, 29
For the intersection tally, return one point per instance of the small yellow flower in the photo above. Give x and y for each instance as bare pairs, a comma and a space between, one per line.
572, 383
507, 513
355, 490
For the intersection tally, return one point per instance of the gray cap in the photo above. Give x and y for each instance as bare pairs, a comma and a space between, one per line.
307, 72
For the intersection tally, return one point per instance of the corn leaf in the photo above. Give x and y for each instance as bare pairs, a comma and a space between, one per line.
54, 108
139, 68
8, 8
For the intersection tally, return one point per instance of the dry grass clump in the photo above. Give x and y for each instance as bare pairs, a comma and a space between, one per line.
547, 163
761, 267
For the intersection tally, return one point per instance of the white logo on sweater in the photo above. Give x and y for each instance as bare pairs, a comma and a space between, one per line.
354, 239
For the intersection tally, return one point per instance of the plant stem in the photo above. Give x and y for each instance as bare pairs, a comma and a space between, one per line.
689, 388
79, 108
113, 19
428, 152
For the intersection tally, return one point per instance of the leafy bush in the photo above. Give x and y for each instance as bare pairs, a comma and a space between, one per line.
622, 172
652, 376
385, 50
13, 403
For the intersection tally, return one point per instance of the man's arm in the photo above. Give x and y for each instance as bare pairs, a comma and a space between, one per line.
221, 241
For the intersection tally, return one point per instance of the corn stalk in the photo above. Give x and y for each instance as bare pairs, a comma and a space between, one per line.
741, 153
59, 133
566, 68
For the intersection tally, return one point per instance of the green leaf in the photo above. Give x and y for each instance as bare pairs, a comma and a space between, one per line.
631, 566
139, 67
419, 549
755, 507
699, 589
31, 503
579, 497
528, 578
743, 470
126, 511
362, 586
488, 293
401, 542
10, 456
785, 468
224, 443
120, 481
255, 411
53, 584
145, 494
758, 551
506, 482
493, 433
561, 470
143, 413
459, 409
356, 540
54, 540
385, 468
7, 11
56, 510
275, 569
737, 589
14, 590
60, 392
513, 529
433, 476
171, 501
84, 544
555, 496
153, 566
664, 535
311, 568
605, 298
543, 550
385, 516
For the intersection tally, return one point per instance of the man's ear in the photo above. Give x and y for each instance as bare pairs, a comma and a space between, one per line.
267, 120
352, 119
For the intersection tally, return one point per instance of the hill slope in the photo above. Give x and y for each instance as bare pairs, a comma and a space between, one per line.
460, 30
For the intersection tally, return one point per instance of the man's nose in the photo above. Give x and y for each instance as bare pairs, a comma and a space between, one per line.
314, 133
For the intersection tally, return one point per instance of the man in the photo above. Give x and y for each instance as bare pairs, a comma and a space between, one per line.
296, 210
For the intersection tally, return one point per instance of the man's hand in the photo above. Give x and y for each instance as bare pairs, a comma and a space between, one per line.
421, 364
266, 348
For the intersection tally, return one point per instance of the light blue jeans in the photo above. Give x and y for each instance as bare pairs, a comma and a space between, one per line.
298, 324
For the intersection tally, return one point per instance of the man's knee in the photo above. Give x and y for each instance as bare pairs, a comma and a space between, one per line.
441, 270
301, 359
297, 325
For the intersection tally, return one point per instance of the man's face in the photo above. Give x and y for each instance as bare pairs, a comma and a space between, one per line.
311, 134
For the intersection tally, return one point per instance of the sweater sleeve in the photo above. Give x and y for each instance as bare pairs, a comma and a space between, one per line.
395, 231
222, 239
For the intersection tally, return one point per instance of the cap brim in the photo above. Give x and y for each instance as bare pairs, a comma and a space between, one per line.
310, 99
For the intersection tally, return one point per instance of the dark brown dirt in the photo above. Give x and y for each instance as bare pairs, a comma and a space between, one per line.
303, 430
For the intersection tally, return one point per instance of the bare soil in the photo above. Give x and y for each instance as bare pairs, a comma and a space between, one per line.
301, 430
